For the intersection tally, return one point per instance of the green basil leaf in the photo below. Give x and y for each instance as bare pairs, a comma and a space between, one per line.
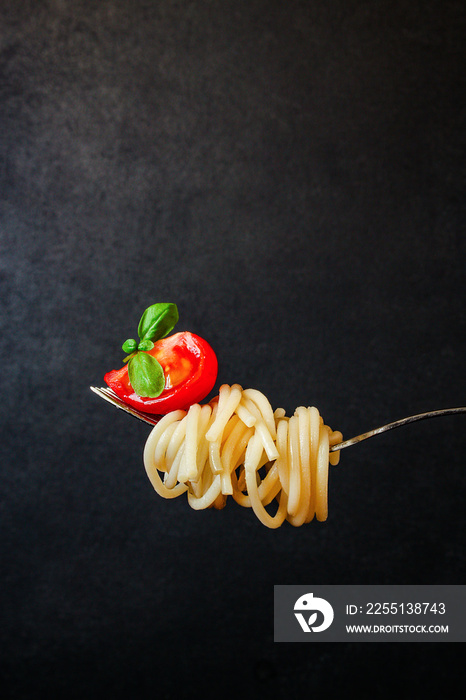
145, 345
146, 375
157, 321
129, 346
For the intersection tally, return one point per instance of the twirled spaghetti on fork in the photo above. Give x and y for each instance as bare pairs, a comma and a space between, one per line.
237, 446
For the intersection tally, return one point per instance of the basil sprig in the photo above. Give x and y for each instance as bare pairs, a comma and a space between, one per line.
145, 372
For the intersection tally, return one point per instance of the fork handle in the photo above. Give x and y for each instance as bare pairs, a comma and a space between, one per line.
397, 424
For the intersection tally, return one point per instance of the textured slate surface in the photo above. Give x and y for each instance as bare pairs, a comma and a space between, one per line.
292, 175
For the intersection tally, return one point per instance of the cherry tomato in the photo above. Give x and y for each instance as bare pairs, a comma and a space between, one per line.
190, 367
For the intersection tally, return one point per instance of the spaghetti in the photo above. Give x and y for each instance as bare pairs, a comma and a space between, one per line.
237, 446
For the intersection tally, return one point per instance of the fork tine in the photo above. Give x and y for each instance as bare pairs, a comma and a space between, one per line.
115, 400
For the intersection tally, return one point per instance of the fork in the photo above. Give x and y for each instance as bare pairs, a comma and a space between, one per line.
112, 398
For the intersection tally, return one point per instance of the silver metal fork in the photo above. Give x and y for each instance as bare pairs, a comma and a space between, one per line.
112, 398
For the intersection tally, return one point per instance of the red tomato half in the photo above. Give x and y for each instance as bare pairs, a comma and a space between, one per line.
190, 367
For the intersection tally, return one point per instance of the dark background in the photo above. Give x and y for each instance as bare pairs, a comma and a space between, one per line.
291, 174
